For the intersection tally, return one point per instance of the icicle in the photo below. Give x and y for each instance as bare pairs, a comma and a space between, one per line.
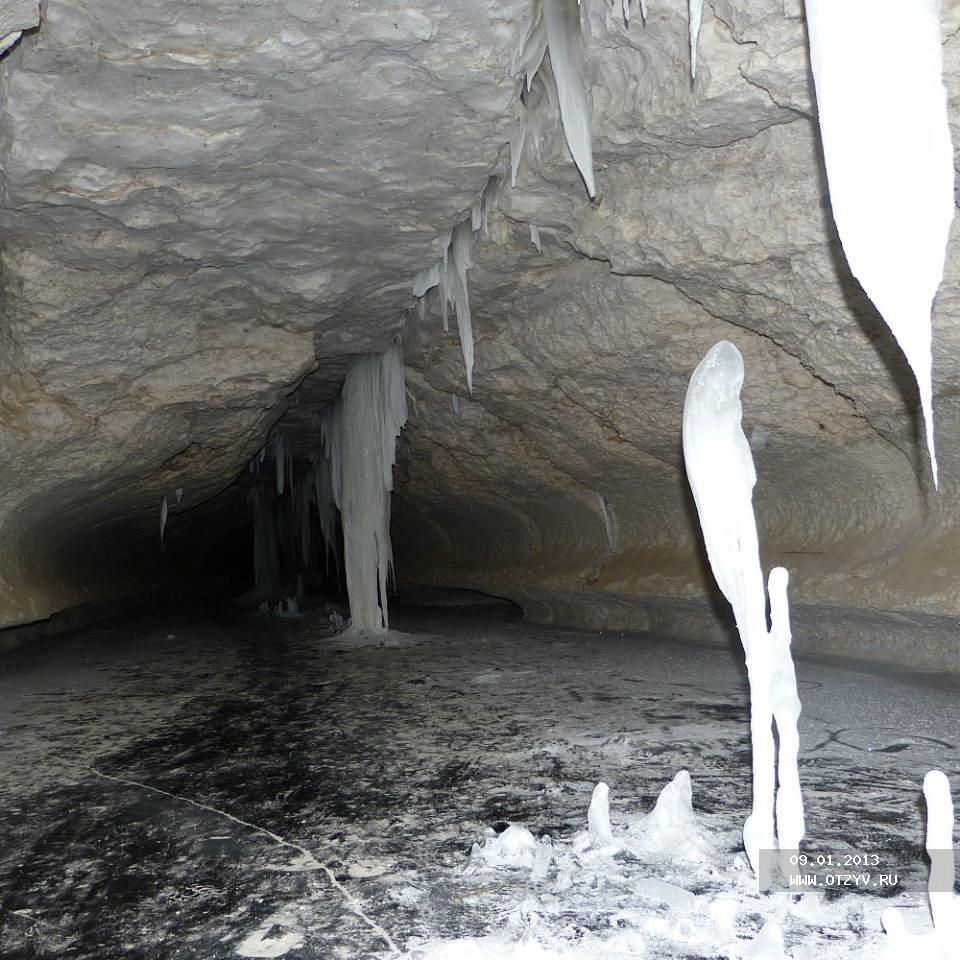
696, 16
721, 473
425, 280
607, 515
643, 11
476, 216
279, 453
455, 404
626, 11
889, 159
461, 259
262, 454
163, 519
565, 43
535, 237
371, 412
179, 493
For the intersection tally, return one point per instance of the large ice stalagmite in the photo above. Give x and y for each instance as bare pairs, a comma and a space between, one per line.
877, 67
371, 411
722, 476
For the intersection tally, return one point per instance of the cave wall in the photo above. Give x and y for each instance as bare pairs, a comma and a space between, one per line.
210, 207
714, 224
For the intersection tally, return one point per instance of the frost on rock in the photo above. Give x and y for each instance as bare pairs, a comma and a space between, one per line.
877, 67
565, 43
672, 829
721, 473
942, 942
363, 434
696, 16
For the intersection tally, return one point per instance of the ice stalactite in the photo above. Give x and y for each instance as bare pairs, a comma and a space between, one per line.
280, 458
565, 43
369, 416
878, 72
461, 259
179, 495
943, 941
535, 237
695, 8
163, 519
625, 6
721, 473
449, 276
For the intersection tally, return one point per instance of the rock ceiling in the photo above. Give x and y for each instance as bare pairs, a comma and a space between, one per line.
210, 207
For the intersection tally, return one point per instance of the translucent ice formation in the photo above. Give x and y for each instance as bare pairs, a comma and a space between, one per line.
362, 442
722, 476
565, 42
598, 816
877, 67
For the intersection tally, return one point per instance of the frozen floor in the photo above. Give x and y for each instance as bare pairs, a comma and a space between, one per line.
236, 786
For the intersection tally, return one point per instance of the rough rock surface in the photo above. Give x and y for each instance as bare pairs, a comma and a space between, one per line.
207, 202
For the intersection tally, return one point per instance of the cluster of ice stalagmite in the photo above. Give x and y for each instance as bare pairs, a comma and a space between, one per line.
943, 941
877, 67
362, 439
722, 476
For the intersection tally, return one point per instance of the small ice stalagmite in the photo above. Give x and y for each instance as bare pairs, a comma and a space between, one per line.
721, 473
943, 941
878, 71
598, 817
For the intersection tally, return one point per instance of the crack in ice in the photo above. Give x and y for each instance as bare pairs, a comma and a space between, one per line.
310, 861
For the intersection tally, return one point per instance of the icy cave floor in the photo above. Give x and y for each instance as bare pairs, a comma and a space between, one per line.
150, 769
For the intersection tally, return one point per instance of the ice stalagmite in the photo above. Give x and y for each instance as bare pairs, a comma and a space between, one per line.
598, 816
565, 42
722, 476
877, 67
943, 941
370, 414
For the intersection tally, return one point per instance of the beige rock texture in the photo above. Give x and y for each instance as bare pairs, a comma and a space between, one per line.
209, 207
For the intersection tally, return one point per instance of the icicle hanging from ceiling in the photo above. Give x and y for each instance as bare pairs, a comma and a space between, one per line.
361, 440
877, 67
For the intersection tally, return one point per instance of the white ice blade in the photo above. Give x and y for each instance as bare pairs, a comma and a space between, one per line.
695, 8
565, 43
877, 67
